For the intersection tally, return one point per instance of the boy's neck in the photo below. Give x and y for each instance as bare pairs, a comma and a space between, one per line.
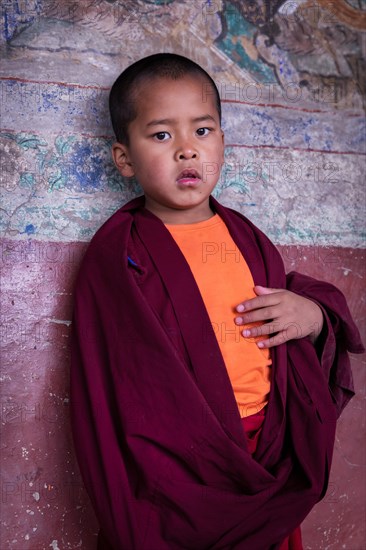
170, 216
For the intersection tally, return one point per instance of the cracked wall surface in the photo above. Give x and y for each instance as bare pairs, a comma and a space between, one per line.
291, 76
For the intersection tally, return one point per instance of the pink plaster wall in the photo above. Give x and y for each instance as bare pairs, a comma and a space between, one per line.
43, 503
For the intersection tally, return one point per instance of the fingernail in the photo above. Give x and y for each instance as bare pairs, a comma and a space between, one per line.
240, 308
246, 333
260, 345
238, 320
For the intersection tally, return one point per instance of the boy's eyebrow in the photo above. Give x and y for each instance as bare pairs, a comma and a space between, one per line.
166, 121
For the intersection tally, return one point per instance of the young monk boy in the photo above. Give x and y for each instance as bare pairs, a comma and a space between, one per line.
205, 382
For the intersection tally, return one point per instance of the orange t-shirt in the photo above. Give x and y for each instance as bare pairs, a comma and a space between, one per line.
224, 280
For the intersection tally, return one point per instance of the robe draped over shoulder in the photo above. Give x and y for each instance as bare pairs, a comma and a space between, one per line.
157, 431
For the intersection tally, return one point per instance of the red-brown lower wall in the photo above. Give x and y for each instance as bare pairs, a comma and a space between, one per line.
43, 503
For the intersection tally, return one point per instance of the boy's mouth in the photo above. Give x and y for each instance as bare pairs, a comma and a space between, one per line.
189, 177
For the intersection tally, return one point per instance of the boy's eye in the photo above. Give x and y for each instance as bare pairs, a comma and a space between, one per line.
162, 136
203, 131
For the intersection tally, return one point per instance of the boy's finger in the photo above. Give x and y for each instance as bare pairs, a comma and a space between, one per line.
280, 338
262, 330
258, 302
262, 314
292, 331
262, 290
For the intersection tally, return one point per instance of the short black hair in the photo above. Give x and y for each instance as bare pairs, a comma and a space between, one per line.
162, 65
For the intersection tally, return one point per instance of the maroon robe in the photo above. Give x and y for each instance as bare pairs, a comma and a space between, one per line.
157, 431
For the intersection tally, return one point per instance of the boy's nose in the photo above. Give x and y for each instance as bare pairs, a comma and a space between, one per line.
186, 152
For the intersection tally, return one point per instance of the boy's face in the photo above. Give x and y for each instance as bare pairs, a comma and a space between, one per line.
176, 148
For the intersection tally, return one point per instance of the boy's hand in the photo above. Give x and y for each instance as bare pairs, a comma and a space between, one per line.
286, 316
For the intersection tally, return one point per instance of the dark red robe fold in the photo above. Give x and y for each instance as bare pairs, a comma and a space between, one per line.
157, 431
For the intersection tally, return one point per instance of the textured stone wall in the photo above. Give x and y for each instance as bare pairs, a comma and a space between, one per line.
292, 80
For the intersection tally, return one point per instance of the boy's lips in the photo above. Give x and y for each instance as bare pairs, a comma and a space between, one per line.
189, 178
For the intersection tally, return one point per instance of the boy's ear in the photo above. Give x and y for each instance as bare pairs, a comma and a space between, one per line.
122, 160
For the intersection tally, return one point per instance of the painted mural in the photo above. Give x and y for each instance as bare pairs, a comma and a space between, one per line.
281, 66
292, 78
